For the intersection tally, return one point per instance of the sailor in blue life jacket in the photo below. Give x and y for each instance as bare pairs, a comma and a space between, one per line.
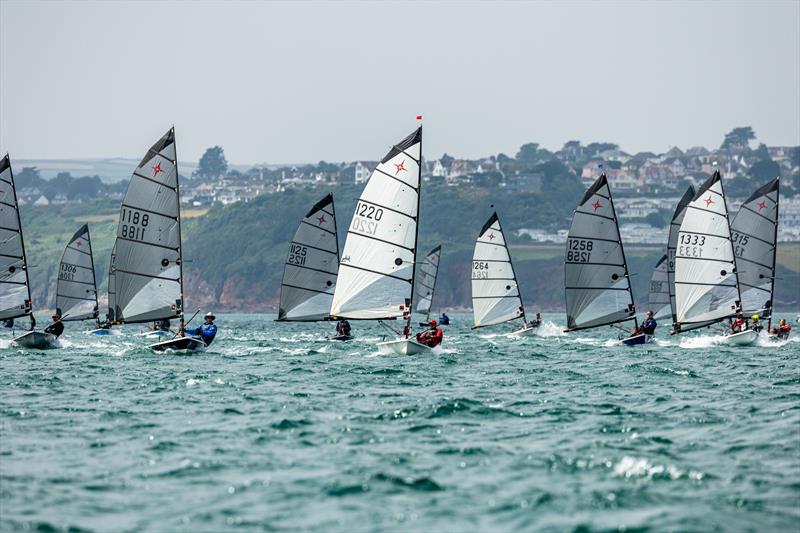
206, 331
444, 320
649, 325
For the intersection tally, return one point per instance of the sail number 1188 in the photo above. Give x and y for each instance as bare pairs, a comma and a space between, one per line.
133, 224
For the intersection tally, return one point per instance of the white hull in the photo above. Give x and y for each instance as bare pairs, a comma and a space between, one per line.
524, 332
402, 347
743, 338
37, 340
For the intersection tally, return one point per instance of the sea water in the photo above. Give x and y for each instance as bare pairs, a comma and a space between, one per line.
276, 428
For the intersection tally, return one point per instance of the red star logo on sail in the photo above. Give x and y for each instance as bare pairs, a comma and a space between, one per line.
491, 236
321, 220
400, 167
78, 244
709, 201
597, 205
762, 205
157, 169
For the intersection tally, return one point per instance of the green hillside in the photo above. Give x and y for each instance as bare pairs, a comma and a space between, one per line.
235, 254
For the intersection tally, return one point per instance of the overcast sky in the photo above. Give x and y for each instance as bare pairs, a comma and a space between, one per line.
306, 81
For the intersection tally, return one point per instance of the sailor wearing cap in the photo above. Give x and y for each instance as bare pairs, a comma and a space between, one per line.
206, 331
432, 337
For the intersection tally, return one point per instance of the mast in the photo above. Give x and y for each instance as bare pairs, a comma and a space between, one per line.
624, 261
433, 289
410, 306
27, 305
514, 273
180, 238
774, 254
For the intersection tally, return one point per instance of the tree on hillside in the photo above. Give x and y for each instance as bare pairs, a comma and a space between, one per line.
530, 154
446, 160
656, 219
738, 138
594, 149
28, 177
213, 163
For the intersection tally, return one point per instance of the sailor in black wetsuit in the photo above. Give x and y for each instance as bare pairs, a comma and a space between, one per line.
57, 327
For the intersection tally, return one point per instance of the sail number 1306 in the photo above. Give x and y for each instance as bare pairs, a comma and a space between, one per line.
133, 224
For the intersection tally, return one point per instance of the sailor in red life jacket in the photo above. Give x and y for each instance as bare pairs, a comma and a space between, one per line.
432, 337
782, 330
738, 325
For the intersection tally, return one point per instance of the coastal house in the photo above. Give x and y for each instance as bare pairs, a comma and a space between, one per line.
363, 170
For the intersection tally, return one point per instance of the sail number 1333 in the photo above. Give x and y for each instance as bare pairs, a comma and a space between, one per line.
133, 224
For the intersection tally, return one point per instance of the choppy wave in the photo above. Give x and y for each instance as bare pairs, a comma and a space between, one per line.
277, 428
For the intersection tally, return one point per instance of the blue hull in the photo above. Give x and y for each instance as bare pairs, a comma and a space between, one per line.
637, 339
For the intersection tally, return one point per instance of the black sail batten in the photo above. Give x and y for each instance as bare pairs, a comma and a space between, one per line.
18, 267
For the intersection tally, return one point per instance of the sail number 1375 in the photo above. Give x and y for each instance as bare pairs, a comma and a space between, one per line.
133, 224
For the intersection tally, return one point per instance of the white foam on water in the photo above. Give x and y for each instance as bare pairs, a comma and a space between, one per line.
701, 341
550, 329
633, 467
191, 382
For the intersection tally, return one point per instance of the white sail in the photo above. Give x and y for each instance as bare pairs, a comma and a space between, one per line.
426, 281
376, 271
658, 299
15, 294
672, 244
76, 288
147, 263
112, 288
598, 290
310, 270
754, 232
495, 293
706, 288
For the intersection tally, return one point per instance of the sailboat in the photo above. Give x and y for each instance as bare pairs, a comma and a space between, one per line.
672, 246
754, 234
426, 283
495, 292
377, 270
76, 288
147, 264
15, 292
658, 298
311, 266
105, 329
597, 282
706, 280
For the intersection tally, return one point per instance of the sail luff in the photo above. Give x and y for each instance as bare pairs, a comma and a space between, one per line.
75, 273
112, 289
180, 238
774, 253
658, 297
148, 261
375, 271
595, 267
706, 282
24, 308
496, 297
425, 274
311, 266
672, 246
410, 306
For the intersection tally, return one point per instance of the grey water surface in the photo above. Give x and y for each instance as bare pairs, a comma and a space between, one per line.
276, 429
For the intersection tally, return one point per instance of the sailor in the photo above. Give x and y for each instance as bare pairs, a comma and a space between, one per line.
738, 325
8, 323
538, 321
649, 325
432, 337
755, 325
444, 319
782, 330
161, 325
57, 327
206, 331
343, 328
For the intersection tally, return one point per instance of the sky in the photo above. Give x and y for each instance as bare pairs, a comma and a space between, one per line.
275, 82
